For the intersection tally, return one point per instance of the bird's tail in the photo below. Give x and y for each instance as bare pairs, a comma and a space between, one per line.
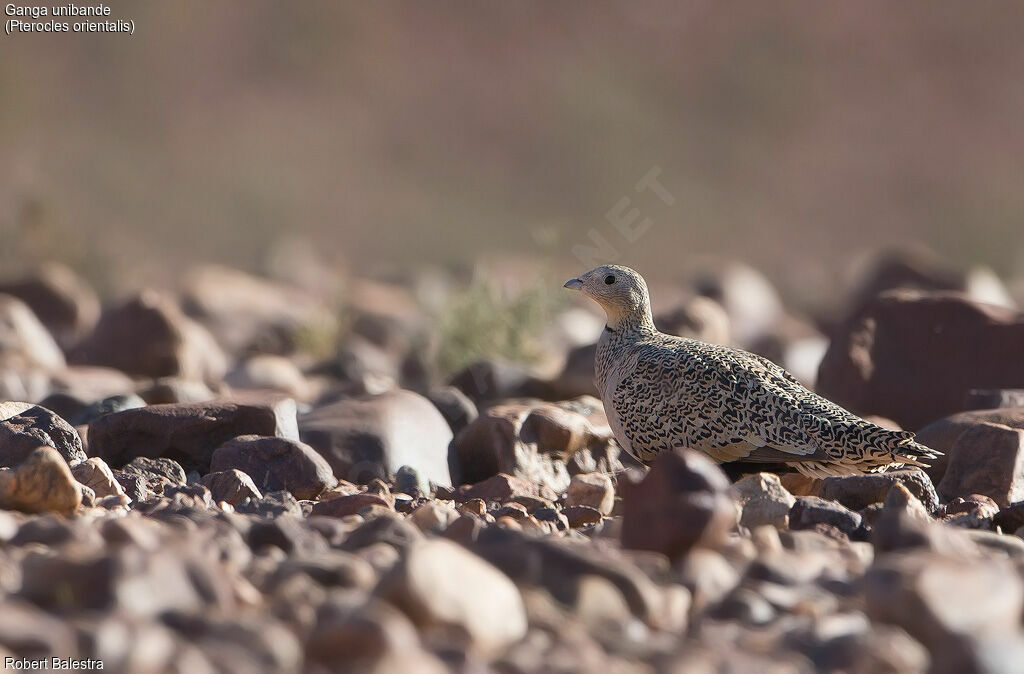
912, 453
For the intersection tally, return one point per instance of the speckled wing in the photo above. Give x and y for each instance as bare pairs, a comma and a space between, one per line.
725, 402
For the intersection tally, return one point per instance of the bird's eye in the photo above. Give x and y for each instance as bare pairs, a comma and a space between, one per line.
609, 279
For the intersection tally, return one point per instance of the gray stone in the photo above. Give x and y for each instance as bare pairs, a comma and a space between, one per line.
24, 427
372, 436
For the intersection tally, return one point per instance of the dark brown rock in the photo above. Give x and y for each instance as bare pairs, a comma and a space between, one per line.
502, 487
913, 356
976, 511
581, 516
149, 336
231, 486
943, 434
859, 491
187, 433
530, 440
275, 464
987, 458
454, 405
373, 436
809, 511
24, 427
62, 301
990, 399
681, 503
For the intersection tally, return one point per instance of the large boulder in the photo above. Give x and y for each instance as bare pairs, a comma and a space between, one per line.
24, 427
187, 432
275, 464
62, 301
530, 440
374, 435
23, 335
681, 503
149, 336
913, 356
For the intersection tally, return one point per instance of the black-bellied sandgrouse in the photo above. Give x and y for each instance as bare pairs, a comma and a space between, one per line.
662, 392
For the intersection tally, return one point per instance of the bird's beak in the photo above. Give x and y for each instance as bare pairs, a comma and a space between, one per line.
573, 284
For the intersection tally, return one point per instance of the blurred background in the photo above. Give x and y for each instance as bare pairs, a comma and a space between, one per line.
794, 136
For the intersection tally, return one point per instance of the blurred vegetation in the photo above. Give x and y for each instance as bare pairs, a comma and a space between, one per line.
483, 322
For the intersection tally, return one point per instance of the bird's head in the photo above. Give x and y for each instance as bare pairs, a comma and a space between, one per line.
620, 291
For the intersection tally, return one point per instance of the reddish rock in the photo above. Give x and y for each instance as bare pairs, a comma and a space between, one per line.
348, 505
502, 487
187, 433
530, 440
592, 489
944, 433
275, 464
914, 356
149, 336
986, 459
683, 502
62, 301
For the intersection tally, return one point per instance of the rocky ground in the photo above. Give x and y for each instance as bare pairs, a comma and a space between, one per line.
186, 485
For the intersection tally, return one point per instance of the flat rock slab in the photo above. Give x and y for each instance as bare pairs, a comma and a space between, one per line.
25, 427
187, 432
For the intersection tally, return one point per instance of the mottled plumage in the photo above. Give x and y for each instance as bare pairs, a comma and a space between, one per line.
662, 392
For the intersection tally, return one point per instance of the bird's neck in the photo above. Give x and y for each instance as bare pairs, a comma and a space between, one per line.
619, 334
639, 321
